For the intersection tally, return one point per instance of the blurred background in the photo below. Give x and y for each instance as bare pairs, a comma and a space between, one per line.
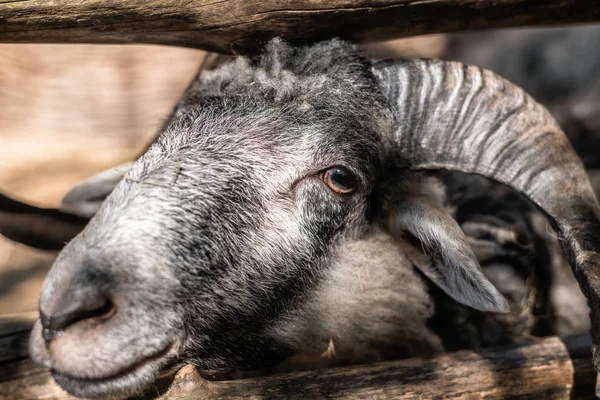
70, 111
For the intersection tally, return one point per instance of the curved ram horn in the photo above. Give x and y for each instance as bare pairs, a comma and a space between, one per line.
451, 116
42, 228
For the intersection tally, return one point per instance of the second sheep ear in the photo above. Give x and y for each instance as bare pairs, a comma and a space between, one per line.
86, 197
453, 266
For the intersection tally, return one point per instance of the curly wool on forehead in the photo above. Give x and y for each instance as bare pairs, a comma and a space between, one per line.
330, 72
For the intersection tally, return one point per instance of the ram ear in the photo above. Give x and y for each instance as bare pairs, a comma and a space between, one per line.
86, 197
451, 263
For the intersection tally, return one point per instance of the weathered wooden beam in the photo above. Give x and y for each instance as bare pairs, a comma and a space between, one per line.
42, 228
551, 368
240, 26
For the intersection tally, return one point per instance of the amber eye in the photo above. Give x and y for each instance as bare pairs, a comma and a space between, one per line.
340, 180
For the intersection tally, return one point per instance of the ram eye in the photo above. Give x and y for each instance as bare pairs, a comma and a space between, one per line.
340, 180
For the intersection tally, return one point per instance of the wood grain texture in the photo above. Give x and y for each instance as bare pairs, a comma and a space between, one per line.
550, 368
240, 26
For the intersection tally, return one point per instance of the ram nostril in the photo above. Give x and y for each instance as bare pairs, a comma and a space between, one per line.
97, 306
104, 312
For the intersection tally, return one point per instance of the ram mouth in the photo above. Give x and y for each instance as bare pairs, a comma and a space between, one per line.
127, 381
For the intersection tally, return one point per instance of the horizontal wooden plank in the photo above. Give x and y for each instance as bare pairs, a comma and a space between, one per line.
42, 228
240, 26
548, 368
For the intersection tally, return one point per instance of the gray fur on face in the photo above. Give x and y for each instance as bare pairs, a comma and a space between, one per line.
223, 246
224, 224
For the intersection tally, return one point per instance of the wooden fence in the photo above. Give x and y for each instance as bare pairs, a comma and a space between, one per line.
548, 368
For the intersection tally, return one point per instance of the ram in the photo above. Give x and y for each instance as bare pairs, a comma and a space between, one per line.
287, 208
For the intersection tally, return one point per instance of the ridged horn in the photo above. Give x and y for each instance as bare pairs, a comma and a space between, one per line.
455, 117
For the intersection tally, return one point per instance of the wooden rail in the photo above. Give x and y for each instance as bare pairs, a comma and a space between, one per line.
549, 368
240, 26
